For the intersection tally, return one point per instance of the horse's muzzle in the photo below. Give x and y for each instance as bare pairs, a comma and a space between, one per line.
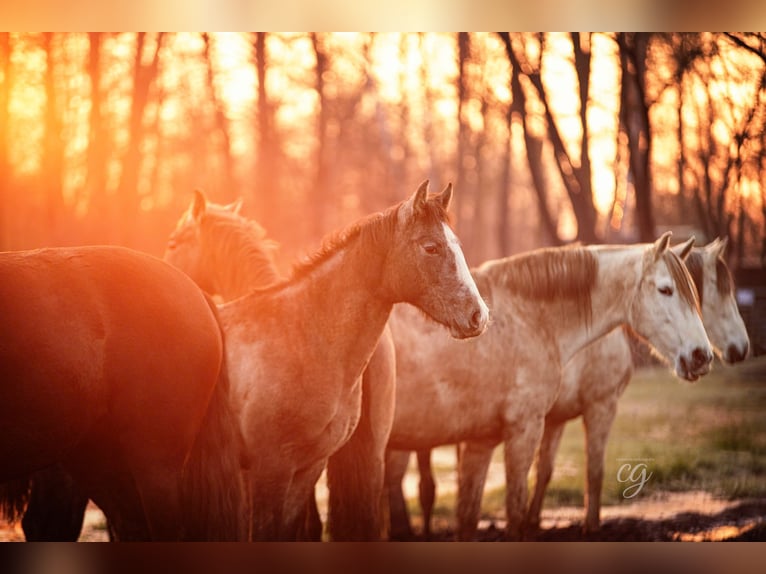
695, 365
475, 326
736, 354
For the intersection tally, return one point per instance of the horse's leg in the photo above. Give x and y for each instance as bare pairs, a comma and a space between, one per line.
521, 441
109, 483
355, 474
426, 489
472, 465
56, 507
267, 501
298, 500
309, 525
546, 456
597, 418
396, 468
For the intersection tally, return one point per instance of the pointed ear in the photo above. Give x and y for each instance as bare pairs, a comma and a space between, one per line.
445, 197
234, 207
721, 247
661, 245
199, 205
683, 249
418, 199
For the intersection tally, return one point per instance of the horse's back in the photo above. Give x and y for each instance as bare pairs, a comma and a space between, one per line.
100, 339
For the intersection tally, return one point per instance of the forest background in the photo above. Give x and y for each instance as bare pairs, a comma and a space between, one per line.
547, 137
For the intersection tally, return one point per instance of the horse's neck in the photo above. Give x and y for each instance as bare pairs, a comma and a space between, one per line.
237, 275
616, 281
566, 322
342, 307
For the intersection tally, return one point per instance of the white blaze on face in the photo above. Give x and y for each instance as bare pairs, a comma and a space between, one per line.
462, 269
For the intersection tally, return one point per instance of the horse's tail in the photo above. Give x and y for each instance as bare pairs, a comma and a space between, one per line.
355, 473
14, 496
212, 484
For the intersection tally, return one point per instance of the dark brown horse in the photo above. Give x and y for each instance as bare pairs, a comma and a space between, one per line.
112, 365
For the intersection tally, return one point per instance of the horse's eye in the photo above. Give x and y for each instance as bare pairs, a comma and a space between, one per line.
665, 290
431, 248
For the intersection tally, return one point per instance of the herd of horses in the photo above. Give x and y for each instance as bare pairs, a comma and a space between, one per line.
201, 397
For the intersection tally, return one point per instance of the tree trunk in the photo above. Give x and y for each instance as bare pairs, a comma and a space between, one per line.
53, 149
321, 199
462, 192
95, 179
230, 191
127, 190
576, 179
266, 171
633, 50
504, 242
533, 146
5, 166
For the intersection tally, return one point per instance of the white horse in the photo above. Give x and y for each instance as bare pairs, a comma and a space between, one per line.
595, 378
592, 383
546, 306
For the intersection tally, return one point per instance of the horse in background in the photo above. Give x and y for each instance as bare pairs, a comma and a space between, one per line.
229, 256
594, 380
546, 306
113, 367
592, 383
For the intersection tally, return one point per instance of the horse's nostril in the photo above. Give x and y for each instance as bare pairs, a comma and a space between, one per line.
476, 319
700, 357
734, 354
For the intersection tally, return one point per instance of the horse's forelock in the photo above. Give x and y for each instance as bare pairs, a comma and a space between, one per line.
695, 265
681, 277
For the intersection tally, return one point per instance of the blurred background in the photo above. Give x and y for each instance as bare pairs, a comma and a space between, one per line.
547, 137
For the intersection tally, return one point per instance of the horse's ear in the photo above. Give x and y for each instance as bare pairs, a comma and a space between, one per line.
445, 197
234, 207
420, 196
683, 249
199, 204
661, 245
720, 247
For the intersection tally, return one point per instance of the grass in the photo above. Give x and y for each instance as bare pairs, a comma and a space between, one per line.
709, 435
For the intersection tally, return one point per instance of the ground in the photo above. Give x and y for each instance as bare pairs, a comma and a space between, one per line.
705, 447
692, 516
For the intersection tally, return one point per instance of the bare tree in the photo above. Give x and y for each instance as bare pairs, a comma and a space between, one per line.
533, 144
5, 166
321, 181
634, 120
266, 164
95, 182
53, 148
144, 76
463, 54
576, 178
221, 122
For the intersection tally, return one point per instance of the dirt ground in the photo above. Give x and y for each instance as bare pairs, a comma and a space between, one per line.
694, 516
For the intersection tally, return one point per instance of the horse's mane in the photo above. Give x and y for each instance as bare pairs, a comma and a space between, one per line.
371, 230
242, 243
682, 278
723, 280
549, 274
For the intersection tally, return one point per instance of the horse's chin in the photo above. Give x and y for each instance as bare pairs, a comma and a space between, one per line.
692, 376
